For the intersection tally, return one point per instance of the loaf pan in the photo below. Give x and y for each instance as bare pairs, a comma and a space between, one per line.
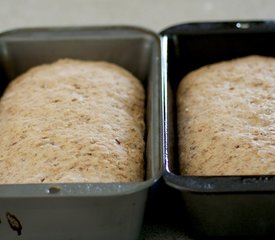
221, 206
84, 210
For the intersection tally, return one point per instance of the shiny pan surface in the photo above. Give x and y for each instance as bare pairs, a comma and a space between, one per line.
223, 206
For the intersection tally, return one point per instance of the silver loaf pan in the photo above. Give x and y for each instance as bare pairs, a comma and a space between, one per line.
86, 210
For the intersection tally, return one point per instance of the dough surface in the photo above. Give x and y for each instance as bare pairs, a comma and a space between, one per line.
226, 118
72, 121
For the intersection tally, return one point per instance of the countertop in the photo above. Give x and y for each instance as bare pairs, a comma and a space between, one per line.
154, 15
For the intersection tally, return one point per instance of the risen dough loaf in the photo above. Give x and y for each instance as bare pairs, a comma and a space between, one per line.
226, 118
72, 121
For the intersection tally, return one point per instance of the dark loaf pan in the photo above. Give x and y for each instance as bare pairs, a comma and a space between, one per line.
225, 206
85, 210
